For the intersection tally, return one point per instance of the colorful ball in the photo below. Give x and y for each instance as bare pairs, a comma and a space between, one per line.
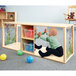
29, 59
19, 52
3, 57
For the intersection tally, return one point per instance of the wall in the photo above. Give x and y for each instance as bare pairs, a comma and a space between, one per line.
53, 14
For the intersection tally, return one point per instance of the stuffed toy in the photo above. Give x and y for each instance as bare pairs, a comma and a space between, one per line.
71, 16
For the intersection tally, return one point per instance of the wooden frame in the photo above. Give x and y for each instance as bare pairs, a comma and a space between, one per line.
24, 39
5, 17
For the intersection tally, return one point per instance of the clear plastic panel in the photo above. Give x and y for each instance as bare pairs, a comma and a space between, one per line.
68, 42
10, 34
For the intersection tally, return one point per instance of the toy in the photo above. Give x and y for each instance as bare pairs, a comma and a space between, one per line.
71, 16
11, 16
3, 57
2, 8
29, 59
19, 52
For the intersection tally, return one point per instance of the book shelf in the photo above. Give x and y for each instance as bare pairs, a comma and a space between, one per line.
7, 17
71, 9
27, 38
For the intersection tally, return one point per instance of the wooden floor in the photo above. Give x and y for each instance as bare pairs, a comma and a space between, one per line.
52, 57
13, 46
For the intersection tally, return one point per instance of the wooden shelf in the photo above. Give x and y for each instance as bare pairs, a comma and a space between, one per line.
2, 11
52, 57
71, 19
27, 38
32, 53
41, 24
5, 17
13, 46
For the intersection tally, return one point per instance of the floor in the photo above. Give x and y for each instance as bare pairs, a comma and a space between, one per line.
15, 62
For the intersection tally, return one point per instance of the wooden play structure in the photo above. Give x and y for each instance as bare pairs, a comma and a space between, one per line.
70, 9
7, 17
10, 38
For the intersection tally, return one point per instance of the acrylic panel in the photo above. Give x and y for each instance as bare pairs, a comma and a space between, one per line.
43, 43
68, 42
10, 34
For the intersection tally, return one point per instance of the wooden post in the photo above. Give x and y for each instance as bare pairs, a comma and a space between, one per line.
72, 39
21, 44
3, 36
69, 21
16, 33
64, 44
34, 39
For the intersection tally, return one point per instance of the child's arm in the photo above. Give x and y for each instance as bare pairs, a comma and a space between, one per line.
39, 35
45, 31
42, 33
45, 39
36, 36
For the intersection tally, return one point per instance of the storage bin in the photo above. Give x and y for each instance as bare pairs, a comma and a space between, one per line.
28, 47
28, 33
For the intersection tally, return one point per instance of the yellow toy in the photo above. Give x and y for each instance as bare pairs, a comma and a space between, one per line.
3, 57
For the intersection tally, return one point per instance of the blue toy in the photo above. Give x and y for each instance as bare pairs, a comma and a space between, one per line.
11, 15
29, 59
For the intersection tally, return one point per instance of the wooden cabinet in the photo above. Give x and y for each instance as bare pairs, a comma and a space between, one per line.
7, 17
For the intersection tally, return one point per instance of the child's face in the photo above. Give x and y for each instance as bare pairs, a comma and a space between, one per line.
53, 32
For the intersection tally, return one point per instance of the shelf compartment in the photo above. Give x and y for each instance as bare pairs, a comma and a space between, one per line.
27, 38
28, 46
2, 15
11, 16
14, 46
29, 33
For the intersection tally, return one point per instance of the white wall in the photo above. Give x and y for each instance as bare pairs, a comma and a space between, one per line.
54, 14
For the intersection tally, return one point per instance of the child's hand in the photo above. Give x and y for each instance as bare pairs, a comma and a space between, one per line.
39, 34
35, 32
45, 30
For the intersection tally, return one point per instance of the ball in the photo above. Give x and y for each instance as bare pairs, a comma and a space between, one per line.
29, 59
3, 57
19, 52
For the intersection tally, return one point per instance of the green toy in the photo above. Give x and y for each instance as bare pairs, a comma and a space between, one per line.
19, 52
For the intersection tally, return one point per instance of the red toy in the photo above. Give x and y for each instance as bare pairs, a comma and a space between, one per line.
71, 16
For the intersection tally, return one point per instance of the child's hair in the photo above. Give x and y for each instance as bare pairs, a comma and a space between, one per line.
52, 32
